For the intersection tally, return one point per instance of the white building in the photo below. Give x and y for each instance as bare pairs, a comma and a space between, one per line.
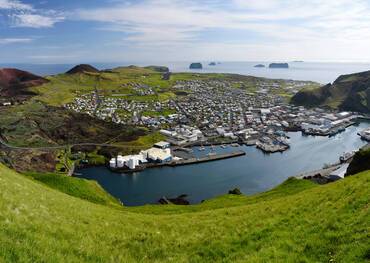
130, 161
157, 155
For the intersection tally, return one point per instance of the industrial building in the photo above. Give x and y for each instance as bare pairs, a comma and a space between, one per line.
160, 153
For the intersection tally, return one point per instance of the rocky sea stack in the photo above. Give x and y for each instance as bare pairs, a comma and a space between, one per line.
279, 65
82, 68
196, 65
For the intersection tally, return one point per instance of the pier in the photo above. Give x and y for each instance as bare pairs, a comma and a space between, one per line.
208, 158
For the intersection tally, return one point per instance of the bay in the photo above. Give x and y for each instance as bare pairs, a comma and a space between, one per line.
253, 173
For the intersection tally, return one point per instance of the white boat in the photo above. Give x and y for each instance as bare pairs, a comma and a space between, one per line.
346, 156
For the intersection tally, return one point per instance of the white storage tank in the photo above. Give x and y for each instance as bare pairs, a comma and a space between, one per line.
131, 164
120, 162
112, 163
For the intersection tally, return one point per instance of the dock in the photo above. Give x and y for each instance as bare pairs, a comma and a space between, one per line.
331, 132
208, 158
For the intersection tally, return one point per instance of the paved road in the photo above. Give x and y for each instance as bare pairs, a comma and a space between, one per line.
2, 142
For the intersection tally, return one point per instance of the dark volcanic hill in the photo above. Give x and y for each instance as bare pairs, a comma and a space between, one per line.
348, 92
15, 82
82, 68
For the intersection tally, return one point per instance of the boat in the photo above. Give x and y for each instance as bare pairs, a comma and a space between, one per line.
223, 146
202, 148
365, 134
235, 145
346, 156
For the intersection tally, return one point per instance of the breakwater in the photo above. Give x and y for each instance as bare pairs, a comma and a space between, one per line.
195, 160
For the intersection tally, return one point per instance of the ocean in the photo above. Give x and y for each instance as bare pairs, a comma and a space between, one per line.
311, 71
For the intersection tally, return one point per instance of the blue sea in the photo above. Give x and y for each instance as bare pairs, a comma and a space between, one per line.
314, 71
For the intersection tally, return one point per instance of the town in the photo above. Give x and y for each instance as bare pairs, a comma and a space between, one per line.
216, 112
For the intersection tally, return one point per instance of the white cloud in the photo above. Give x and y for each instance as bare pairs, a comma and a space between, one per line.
35, 21
290, 27
26, 15
14, 4
4, 41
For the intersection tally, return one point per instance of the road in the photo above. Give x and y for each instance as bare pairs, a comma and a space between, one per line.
6, 145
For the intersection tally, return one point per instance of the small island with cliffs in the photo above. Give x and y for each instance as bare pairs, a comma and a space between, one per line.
279, 65
196, 65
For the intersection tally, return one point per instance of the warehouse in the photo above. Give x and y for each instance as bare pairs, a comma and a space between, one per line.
157, 155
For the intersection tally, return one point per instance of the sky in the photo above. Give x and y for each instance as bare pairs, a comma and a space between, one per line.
70, 31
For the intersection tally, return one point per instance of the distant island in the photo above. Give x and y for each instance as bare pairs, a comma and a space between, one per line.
298, 61
259, 66
279, 65
196, 66
212, 64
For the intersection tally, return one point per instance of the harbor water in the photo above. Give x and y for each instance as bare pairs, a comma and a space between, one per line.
255, 172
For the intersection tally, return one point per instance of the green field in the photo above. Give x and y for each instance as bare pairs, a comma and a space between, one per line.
296, 222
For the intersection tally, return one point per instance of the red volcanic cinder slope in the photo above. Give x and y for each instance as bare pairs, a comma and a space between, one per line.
15, 82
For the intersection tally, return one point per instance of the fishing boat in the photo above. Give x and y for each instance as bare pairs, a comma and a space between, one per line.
346, 156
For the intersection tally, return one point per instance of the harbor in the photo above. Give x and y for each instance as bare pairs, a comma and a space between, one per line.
250, 173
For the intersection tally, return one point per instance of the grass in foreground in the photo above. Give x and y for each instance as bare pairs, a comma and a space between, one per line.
315, 224
83, 189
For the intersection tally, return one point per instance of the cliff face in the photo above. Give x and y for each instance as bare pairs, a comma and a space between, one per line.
15, 82
348, 92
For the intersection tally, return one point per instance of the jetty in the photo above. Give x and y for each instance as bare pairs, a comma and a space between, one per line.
208, 158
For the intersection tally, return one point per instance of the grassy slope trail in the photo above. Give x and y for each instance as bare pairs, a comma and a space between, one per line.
296, 222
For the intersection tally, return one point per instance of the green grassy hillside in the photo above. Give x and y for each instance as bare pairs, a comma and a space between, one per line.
296, 222
360, 162
348, 92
